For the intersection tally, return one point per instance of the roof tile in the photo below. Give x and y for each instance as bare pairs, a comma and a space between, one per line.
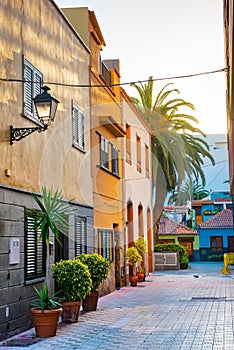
168, 226
222, 219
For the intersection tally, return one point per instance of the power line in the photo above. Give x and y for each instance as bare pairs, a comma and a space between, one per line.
223, 161
216, 176
112, 85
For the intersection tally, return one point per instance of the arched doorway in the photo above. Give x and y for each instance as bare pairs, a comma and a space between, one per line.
140, 221
130, 224
149, 241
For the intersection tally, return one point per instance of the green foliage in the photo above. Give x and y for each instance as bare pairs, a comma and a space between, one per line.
140, 245
44, 301
171, 247
133, 256
53, 214
177, 152
184, 258
98, 268
188, 191
74, 279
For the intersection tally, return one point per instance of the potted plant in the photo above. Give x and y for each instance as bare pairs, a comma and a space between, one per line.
73, 277
141, 247
98, 267
133, 258
184, 261
45, 312
51, 216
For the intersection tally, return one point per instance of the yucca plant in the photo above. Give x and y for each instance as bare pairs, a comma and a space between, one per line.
53, 214
44, 300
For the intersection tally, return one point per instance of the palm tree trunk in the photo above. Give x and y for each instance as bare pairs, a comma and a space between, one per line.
161, 194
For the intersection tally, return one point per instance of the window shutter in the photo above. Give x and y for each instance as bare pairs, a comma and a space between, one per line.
78, 127
106, 241
115, 160
81, 234
104, 153
28, 89
75, 125
32, 87
35, 252
37, 90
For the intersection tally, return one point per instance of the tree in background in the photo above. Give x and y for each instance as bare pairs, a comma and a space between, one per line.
190, 190
177, 149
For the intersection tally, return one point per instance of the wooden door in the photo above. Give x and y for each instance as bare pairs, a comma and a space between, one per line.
187, 242
231, 243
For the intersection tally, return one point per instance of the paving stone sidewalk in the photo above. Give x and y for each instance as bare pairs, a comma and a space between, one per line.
186, 309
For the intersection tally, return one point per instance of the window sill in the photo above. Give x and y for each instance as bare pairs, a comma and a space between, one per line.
108, 171
32, 119
35, 280
79, 148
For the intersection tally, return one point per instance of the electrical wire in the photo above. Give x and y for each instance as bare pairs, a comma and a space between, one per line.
223, 161
216, 176
112, 85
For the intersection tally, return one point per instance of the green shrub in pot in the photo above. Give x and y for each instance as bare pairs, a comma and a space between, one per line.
73, 278
98, 267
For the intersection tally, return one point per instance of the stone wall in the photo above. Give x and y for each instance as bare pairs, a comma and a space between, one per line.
15, 294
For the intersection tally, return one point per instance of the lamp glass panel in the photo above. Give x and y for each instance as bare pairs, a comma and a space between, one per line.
43, 110
54, 105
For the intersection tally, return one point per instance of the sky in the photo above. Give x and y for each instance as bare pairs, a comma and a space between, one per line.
164, 39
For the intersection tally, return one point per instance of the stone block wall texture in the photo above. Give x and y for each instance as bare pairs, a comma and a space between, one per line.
15, 294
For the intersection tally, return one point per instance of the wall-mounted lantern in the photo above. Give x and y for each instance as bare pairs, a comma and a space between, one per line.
46, 106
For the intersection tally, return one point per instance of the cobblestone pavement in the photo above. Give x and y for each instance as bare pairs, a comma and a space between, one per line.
186, 309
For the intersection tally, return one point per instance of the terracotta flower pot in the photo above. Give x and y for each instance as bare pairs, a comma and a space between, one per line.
46, 322
133, 280
141, 276
71, 310
90, 302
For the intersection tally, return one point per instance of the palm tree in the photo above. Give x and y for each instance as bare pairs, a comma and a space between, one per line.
176, 152
189, 190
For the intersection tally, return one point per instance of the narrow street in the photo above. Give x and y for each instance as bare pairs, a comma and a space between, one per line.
187, 309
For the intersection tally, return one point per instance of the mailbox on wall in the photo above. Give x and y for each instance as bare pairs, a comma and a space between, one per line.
14, 251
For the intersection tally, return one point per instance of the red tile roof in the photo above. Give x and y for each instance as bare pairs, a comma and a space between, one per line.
229, 200
199, 202
222, 219
168, 226
171, 207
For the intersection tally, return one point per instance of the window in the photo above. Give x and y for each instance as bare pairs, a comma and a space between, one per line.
35, 252
104, 153
128, 144
109, 156
147, 161
32, 87
216, 243
81, 236
78, 126
105, 247
138, 141
115, 160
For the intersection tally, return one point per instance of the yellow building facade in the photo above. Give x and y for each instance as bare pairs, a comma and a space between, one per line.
106, 148
33, 53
